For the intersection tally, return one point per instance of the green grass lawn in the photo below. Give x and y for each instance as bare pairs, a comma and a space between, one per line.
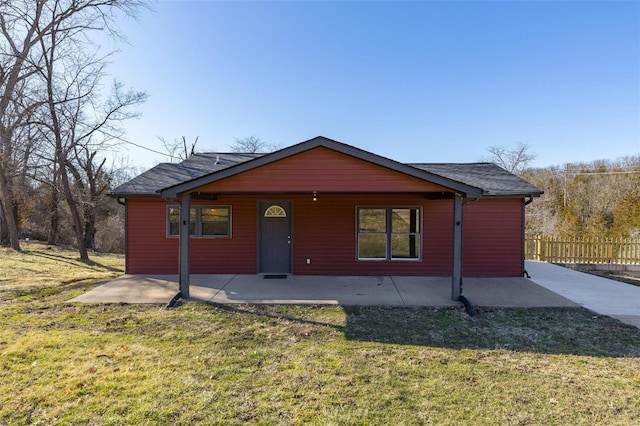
63, 363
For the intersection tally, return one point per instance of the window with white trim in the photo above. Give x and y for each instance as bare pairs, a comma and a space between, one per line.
389, 233
204, 221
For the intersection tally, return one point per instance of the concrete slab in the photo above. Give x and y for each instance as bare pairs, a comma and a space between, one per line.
300, 289
487, 292
601, 295
549, 286
132, 289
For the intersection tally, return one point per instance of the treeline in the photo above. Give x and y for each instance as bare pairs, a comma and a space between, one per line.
43, 215
595, 199
57, 121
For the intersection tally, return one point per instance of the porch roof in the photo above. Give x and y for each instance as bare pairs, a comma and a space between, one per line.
168, 180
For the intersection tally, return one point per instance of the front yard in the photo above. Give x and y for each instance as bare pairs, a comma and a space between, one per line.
222, 364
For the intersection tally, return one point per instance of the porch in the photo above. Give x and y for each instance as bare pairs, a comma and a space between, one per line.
334, 290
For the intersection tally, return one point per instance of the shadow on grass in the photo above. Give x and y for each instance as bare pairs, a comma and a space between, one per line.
75, 262
574, 331
265, 312
46, 290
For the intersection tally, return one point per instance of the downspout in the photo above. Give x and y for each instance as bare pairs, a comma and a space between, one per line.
174, 300
123, 202
467, 305
524, 241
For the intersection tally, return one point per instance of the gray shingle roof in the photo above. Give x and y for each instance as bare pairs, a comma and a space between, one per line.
492, 179
488, 177
165, 175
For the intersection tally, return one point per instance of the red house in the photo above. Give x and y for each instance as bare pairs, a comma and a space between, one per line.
322, 207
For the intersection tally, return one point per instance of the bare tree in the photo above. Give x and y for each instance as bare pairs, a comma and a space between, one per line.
179, 149
513, 159
53, 205
35, 35
253, 144
40, 40
76, 126
16, 102
91, 180
594, 199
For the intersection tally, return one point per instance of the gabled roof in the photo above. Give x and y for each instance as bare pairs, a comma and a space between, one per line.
493, 179
165, 175
169, 180
320, 141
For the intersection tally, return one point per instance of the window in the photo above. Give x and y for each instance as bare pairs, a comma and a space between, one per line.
388, 233
204, 221
275, 211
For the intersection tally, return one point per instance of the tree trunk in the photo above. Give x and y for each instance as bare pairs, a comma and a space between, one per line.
6, 197
94, 192
54, 211
54, 223
73, 208
4, 233
54, 215
61, 154
90, 230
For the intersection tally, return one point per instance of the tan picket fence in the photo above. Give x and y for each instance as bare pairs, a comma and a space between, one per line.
622, 251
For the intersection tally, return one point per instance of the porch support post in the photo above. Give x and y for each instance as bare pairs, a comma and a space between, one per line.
456, 273
185, 208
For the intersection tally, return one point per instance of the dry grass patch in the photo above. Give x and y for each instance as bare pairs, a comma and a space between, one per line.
63, 363
43, 266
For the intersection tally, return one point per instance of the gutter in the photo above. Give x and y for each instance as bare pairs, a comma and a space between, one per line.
529, 201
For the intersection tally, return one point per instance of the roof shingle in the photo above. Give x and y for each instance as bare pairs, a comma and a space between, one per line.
492, 179
165, 175
488, 177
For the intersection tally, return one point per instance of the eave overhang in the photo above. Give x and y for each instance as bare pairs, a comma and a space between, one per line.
133, 195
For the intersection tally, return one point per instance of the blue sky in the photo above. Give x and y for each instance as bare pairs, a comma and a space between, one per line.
413, 81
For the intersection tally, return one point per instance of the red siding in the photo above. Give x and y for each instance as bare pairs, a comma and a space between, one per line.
493, 239
322, 170
150, 251
325, 232
148, 248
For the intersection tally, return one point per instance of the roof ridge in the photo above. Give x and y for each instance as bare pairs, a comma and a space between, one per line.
230, 152
444, 164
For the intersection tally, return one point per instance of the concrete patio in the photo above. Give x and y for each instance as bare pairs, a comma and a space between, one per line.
301, 289
549, 286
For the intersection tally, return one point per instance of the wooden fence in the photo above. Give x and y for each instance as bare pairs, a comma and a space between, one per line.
622, 251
